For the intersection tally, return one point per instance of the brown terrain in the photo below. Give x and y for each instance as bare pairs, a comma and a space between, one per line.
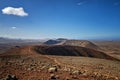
112, 48
82, 43
59, 62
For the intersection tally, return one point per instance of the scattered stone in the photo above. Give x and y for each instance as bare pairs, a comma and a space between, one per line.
67, 78
29, 69
14, 77
116, 78
52, 76
74, 77
84, 74
67, 69
43, 67
57, 76
76, 72
9, 77
57, 66
52, 70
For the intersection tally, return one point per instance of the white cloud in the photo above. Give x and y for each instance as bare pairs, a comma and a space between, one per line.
80, 3
14, 11
13, 27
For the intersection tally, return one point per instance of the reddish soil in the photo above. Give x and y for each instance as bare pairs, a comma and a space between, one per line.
27, 64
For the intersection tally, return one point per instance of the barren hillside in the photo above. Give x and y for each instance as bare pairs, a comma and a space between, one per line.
27, 64
72, 51
81, 43
112, 48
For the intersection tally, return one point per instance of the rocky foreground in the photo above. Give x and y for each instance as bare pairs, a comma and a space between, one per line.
26, 64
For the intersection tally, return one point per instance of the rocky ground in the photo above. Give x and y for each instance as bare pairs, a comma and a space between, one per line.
35, 68
26, 64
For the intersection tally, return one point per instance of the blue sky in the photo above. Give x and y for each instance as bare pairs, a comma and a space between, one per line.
76, 19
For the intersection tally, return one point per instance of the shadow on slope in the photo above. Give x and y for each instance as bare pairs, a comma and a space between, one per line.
72, 51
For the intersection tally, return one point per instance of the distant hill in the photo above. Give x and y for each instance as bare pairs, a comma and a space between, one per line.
52, 42
62, 39
12, 40
8, 43
9, 40
81, 43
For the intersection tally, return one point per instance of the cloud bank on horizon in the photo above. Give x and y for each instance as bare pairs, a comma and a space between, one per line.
14, 11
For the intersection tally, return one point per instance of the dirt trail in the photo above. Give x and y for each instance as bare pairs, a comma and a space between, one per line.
31, 51
52, 58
